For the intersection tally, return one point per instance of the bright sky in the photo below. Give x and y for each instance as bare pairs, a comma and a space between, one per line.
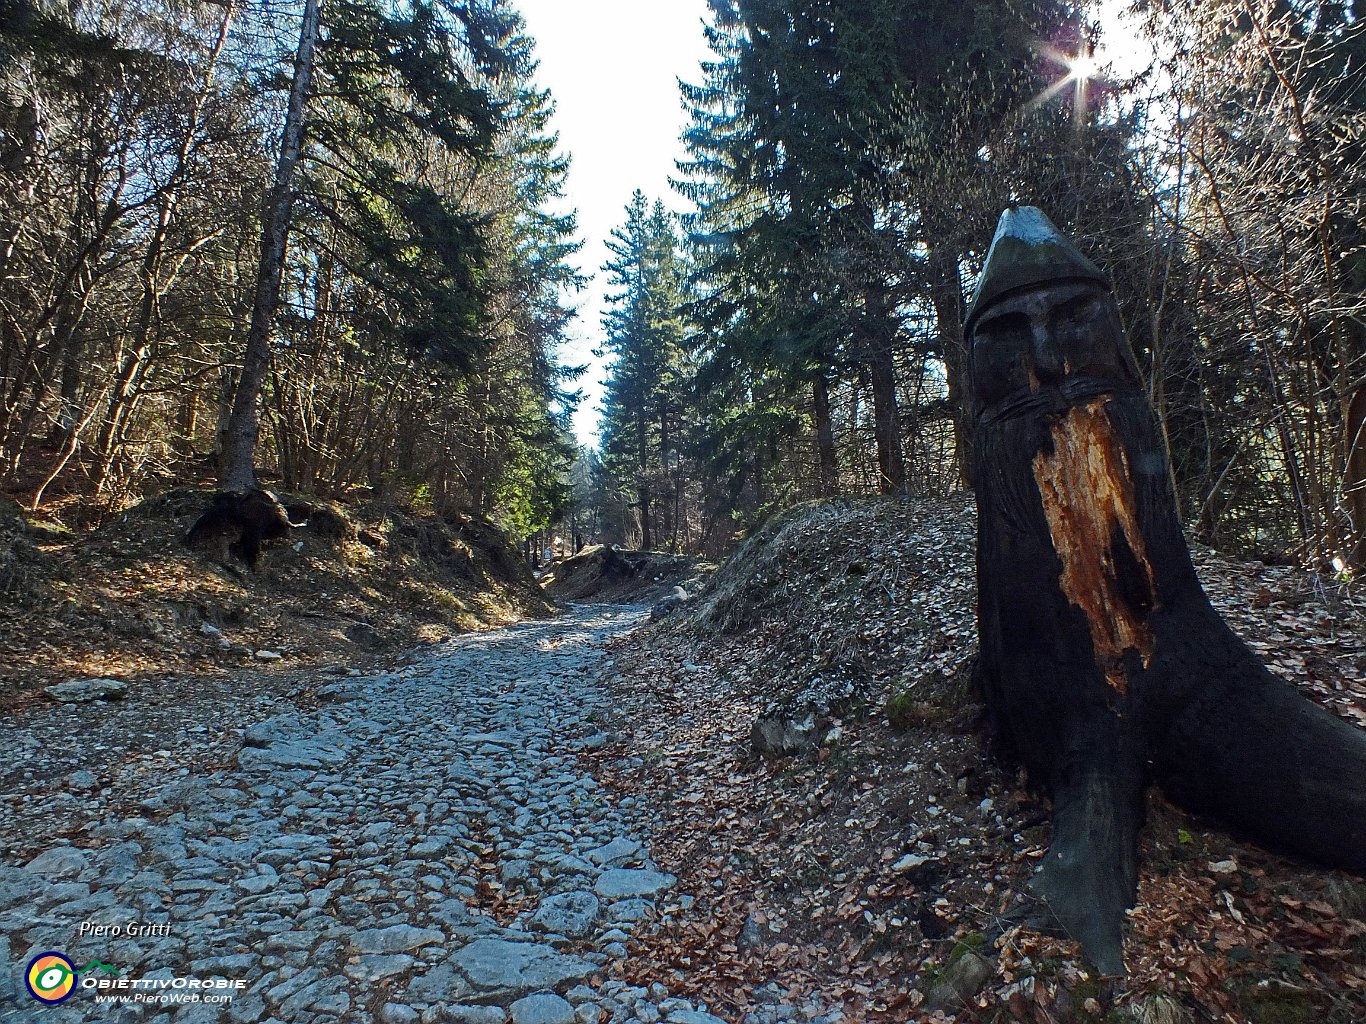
612, 67
1124, 49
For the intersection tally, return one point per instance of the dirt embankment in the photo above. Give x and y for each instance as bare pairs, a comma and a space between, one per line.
130, 601
850, 598
621, 576
889, 855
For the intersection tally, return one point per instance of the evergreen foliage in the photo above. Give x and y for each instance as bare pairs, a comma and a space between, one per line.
644, 333
847, 161
799, 333
427, 277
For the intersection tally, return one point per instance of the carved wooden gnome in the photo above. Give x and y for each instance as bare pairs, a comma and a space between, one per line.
1103, 662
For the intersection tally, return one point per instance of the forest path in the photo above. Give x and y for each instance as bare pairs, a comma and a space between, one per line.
421, 845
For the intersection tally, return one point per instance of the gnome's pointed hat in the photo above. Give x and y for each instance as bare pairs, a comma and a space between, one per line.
1027, 251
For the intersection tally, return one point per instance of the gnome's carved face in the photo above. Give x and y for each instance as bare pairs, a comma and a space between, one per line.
1049, 342
1043, 330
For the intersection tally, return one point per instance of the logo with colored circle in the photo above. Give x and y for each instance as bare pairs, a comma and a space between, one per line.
51, 977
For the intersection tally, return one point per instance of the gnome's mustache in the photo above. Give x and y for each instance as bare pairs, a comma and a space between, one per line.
1050, 401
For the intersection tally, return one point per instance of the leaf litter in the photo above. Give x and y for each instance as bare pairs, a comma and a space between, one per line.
858, 872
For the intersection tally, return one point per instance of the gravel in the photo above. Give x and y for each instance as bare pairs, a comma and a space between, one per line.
336, 842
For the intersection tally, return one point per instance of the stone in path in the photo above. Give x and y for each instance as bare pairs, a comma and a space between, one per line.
569, 913
621, 883
542, 1008
616, 853
82, 691
499, 968
395, 939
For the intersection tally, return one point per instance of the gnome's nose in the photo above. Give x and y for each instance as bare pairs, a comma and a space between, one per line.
1049, 365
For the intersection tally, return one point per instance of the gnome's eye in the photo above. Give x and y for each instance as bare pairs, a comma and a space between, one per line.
999, 351
1070, 314
1004, 331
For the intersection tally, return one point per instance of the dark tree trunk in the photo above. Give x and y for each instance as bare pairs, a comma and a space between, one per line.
1102, 659
237, 460
1354, 475
946, 296
887, 425
877, 341
68, 409
643, 483
825, 435
667, 527
186, 422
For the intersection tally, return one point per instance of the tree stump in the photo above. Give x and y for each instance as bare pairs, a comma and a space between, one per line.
1103, 661
239, 523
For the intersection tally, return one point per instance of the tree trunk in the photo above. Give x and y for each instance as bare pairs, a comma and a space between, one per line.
946, 295
1102, 659
646, 534
666, 526
887, 425
877, 342
643, 484
186, 423
1354, 475
237, 470
825, 435
68, 408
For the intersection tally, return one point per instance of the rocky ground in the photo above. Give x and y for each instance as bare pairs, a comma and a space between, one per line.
428, 844
774, 805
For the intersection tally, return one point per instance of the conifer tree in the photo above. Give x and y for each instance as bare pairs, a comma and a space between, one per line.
389, 78
843, 155
791, 251
645, 334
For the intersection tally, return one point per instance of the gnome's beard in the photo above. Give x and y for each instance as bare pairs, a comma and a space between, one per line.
1074, 496
1014, 432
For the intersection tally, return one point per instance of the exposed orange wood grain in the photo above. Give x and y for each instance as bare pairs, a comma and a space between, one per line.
1087, 493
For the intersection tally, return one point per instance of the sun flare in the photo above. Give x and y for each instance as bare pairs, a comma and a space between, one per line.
1118, 50
1084, 66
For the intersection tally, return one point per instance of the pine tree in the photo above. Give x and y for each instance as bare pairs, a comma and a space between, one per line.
791, 250
846, 159
645, 334
391, 80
